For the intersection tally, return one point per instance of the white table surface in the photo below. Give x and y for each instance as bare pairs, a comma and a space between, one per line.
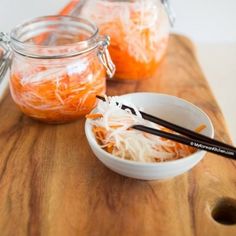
210, 24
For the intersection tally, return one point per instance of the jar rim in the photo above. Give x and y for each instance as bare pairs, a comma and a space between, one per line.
37, 50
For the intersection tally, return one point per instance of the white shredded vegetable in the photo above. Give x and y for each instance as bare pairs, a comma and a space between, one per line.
130, 144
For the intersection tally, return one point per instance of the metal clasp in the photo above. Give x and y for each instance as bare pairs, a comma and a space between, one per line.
170, 11
105, 58
5, 54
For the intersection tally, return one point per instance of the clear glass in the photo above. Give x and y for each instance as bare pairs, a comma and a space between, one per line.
56, 73
139, 31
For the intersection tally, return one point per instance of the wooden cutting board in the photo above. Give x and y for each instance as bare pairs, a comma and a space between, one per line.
52, 184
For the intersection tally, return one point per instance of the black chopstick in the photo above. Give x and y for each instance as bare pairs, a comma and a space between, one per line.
202, 145
181, 130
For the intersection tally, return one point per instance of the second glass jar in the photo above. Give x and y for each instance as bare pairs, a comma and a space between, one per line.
59, 65
139, 31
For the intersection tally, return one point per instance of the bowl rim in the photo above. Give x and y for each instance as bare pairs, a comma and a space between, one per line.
92, 140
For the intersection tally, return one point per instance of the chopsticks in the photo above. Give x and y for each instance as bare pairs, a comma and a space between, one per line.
202, 145
193, 139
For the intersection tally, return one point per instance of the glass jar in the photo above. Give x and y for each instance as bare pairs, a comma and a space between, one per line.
58, 66
139, 31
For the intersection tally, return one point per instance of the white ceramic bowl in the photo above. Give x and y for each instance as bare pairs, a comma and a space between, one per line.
167, 107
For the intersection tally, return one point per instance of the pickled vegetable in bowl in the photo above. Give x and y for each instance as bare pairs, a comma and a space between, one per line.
139, 32
111, 126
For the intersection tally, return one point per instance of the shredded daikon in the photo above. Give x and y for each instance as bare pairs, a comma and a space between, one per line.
111, 126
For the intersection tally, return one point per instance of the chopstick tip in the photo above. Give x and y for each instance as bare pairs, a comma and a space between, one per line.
100, 97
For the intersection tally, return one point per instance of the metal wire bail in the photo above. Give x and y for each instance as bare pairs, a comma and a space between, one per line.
105, 58
170, 11
5, 54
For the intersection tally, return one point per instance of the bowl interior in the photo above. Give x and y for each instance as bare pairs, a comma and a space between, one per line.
170, 108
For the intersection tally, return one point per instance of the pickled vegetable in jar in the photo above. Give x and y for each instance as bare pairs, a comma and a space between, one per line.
58, 67
139, 31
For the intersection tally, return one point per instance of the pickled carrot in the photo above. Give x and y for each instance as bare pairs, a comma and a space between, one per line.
200, 128
129, 67
94, 116
58, 98
133, 69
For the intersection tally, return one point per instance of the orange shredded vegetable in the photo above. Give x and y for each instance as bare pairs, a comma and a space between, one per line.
200, 128
94, 116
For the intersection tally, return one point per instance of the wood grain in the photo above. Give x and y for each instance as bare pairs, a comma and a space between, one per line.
52, 184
